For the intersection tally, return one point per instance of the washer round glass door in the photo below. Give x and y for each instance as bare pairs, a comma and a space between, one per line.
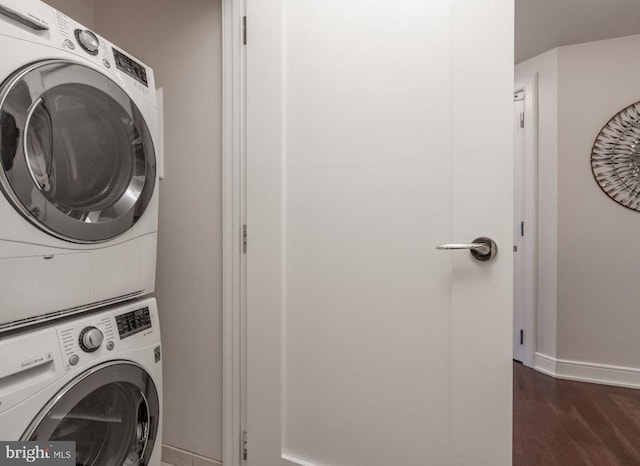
77, 156
110, 411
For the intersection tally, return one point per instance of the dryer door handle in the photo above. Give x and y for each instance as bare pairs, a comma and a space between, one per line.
39, 163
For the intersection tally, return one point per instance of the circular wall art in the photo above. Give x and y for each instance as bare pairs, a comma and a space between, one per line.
615, 158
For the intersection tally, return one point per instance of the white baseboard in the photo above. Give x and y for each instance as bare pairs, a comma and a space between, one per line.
618, 376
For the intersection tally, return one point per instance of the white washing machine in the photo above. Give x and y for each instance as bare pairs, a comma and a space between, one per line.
94, 379
78, 170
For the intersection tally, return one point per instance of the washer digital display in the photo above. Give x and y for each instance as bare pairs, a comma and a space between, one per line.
133, 322
131, 67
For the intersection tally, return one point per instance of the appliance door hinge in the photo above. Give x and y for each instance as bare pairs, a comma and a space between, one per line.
243, 447
522, 120
244, 239
244, 30
521, 337
522, 228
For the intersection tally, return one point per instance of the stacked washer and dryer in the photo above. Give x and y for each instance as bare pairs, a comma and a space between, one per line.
79, 340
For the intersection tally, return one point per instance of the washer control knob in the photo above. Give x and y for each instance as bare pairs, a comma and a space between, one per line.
74, 359
90, 339
89, 41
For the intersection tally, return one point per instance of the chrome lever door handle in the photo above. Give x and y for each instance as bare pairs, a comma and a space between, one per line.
482, 249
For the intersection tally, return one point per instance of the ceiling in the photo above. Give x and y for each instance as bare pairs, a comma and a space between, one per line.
543, 25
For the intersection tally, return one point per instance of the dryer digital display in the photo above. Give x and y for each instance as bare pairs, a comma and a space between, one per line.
133, 322
131, 67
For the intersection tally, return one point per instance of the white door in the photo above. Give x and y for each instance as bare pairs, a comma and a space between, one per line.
377, 131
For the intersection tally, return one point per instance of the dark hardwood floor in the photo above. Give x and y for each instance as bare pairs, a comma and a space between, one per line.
564, 423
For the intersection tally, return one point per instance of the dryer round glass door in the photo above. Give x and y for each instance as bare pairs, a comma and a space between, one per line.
77, 156
111, 412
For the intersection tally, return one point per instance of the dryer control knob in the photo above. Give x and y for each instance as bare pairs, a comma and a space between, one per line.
91, 339
89, 41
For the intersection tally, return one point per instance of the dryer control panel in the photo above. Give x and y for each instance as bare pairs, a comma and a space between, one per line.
75, 38
36, 22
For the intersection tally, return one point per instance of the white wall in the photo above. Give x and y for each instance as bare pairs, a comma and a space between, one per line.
182, 41
599, 252
545, 66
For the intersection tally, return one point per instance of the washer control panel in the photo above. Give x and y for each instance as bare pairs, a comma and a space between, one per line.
86, 339
114, 332
133, 322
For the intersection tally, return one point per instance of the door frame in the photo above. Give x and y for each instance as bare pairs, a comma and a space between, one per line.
530, 214
233, 215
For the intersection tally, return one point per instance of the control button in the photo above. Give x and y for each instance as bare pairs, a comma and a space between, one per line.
88, 41
106, 63
110, 345
69, 43
74, 359
91, 339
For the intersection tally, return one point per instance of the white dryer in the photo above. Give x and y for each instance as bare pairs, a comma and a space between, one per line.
95, 380
78, 169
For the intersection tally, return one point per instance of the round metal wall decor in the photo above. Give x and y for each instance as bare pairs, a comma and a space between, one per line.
615, 158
